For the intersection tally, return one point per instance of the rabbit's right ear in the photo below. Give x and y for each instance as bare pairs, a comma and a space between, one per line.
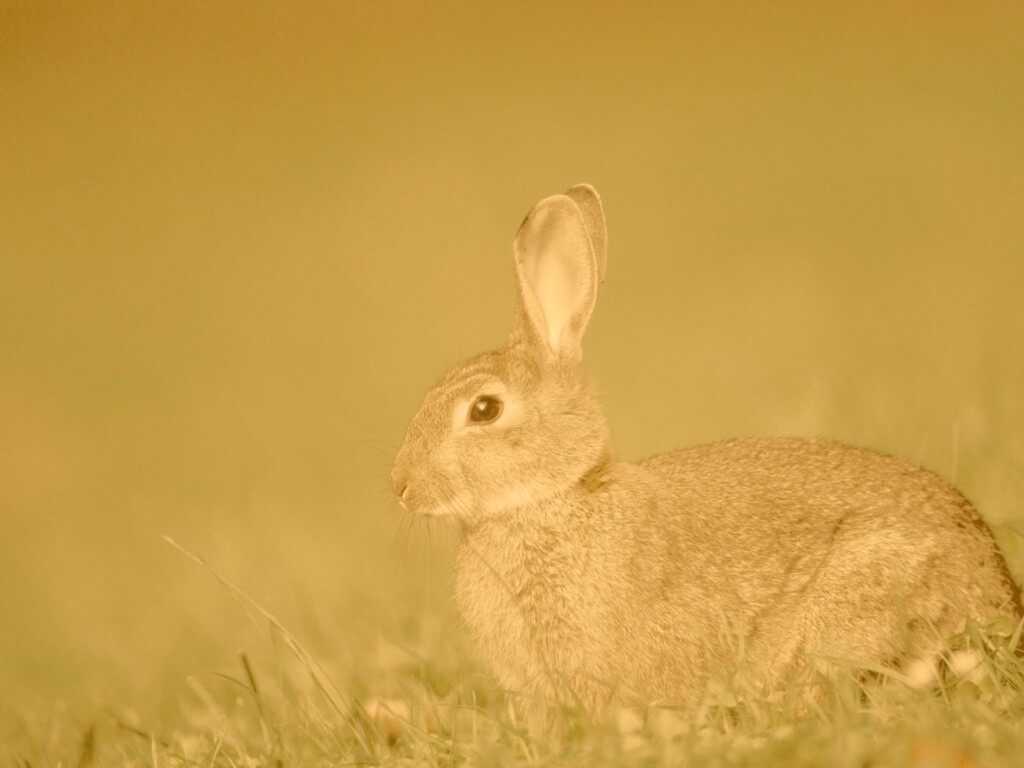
558, 276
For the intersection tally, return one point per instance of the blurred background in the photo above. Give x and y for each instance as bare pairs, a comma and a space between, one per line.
239, 242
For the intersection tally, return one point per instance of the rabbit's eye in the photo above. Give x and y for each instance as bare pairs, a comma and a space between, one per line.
485, 409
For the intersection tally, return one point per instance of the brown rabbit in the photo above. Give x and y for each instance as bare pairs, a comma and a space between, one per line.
580, 576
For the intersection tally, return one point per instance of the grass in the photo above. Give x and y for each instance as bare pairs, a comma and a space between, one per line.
420, 700
275, 717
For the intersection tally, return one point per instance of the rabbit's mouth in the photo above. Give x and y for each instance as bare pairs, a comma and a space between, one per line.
452, 505
438, 510
463, 507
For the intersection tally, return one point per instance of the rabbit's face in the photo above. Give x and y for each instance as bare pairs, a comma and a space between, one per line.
501, 432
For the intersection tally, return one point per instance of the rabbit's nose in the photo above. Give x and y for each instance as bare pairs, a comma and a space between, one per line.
400, 484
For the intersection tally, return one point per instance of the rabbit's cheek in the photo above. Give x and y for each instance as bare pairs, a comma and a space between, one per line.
437, 496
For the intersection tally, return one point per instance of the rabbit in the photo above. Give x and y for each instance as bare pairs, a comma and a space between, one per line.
593, 580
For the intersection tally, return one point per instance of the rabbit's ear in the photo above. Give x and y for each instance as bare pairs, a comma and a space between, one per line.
589, 202
557, 275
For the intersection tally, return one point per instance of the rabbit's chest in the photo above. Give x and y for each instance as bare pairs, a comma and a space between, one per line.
525, 604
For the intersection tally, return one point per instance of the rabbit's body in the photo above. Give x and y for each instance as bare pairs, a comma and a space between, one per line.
580, 576
781, 547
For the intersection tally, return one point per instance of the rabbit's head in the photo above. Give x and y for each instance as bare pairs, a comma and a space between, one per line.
518, 425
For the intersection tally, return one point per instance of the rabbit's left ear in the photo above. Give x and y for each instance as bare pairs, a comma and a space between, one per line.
557, 274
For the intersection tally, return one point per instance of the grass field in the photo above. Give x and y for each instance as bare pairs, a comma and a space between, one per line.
414, 698
236, 248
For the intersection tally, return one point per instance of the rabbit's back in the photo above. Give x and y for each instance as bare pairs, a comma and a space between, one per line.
791, 498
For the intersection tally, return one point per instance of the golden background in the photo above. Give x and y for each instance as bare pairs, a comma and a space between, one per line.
239, 242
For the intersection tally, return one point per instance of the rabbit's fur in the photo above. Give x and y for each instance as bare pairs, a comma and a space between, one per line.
584, 577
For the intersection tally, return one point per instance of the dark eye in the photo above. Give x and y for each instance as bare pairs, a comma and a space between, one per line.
485, 409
